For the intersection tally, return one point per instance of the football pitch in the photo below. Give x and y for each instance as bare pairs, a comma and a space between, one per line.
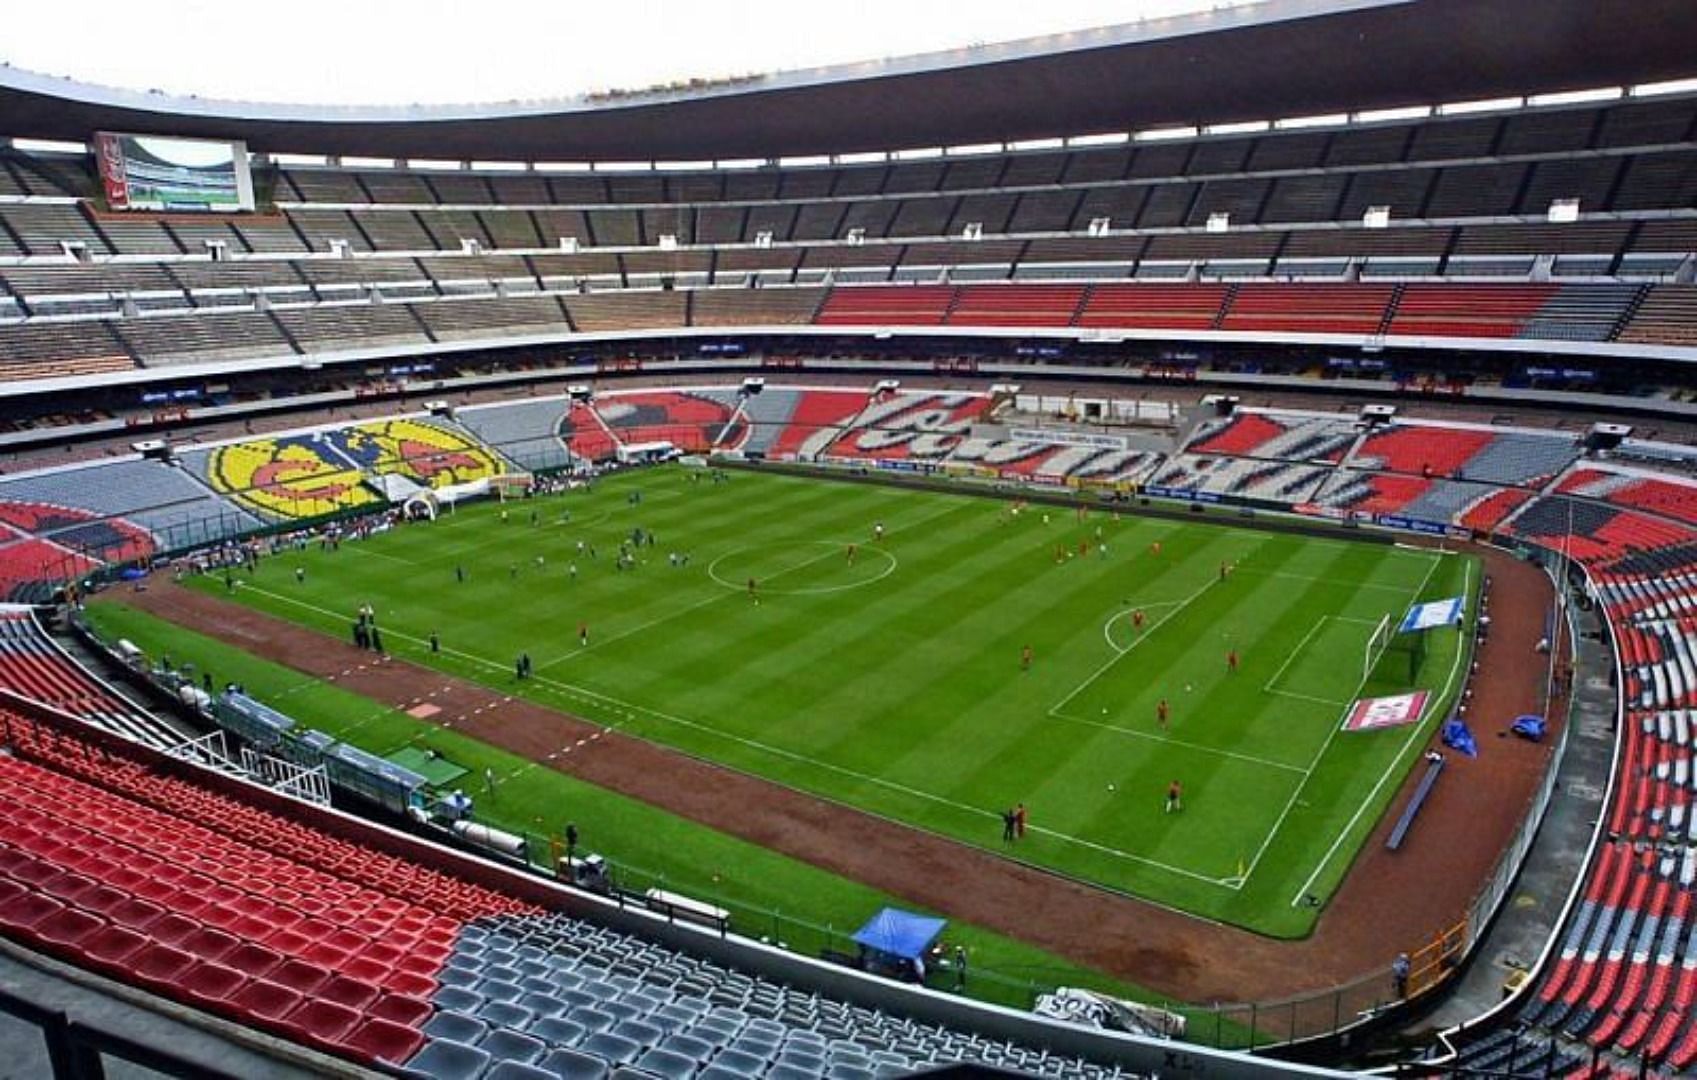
894, 681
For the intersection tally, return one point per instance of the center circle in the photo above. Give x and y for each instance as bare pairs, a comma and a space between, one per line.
817, 567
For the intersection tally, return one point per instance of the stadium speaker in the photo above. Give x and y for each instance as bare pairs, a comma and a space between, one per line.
440, 408
1606, 436
154, 450
579, 393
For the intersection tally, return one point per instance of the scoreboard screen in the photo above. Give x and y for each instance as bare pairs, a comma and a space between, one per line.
146, 172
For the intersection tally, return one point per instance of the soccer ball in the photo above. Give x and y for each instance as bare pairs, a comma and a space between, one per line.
1111, 787
1187, 688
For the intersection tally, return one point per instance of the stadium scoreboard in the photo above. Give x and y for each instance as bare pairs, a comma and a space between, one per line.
146, 172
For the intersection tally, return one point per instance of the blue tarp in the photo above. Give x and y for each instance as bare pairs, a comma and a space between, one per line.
1432, 614
1458, 738
900, 933
1530, 726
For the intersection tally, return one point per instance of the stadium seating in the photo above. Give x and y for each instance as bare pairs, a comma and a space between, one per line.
694, 421
158, 498
1658, 495
1486, 455
1291, 436
160, 882
1289, 483
524, 432
33, 666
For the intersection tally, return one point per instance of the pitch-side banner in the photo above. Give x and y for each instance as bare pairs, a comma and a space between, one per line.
1370, 714
1432, 614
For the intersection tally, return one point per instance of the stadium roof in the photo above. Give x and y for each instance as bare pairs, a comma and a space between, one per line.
1278, 59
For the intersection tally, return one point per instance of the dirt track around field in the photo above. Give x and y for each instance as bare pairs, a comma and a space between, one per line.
1389, 902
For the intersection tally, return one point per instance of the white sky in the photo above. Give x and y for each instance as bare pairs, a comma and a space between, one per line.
402, 52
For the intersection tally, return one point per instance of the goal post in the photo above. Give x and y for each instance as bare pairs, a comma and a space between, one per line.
1376, 646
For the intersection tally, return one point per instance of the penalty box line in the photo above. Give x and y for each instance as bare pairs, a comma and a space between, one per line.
630, 711
1320, 754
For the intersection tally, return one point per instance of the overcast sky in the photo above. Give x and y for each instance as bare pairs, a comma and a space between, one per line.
400, 52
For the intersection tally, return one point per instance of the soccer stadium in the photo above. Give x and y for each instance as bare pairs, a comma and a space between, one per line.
1162, 550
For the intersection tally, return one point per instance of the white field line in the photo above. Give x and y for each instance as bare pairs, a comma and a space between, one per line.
1107, 625
1118, 656
359, 546
1413, 735
1269, 688
721, 594
1294, 653
1200, 747
630, 710
1337, 726
1333, 702
1320, 579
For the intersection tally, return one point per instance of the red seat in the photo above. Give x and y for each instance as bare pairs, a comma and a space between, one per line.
161, 966
209, 944
298, 975
135, 914
112, 948
383, 1040
69, 928
265, 1000
254, 961
346, 990
23, 914
211, 984
401, 1009
321, 1023
172, 928
410, 983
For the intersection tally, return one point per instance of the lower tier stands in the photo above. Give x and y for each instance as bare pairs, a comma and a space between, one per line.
1292, 436
194, 895
1620, 998
33, 665
1667, 496
1481, 454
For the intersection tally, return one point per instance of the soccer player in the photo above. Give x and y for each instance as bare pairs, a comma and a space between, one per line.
851, 550
1155, 549
1162, 712
877, 530
583, 634
300, 576
752, 590
1025, 658
1175, 797
1083, 548
1137, 619
1231, 661
1225, 568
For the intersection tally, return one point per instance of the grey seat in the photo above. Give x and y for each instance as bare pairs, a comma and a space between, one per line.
591, 1020
745, 1063
558, 1030
459, 976
444, 1059
456, 1026
782, 1071
848, 1072
543, 1004
504, 1044
667, 1064
506, 1014
619, 1051
638, 1032
459, 999
689, 1046
517, 1070
500, 990
574, 1065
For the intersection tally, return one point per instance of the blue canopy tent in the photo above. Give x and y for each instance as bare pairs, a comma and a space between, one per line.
894, 942
900, 933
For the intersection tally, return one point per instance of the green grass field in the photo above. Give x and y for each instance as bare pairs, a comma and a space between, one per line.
894, 683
